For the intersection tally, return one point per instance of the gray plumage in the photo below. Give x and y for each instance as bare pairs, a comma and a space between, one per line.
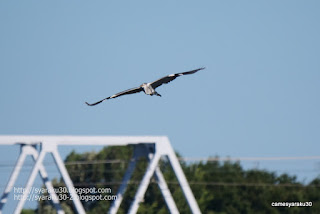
148, 88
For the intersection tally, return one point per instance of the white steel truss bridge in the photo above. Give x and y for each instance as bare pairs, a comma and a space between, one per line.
151, 147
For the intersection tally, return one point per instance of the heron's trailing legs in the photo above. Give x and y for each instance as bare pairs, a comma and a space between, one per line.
156, 93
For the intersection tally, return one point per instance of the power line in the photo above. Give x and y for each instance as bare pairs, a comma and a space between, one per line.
251, 158
193, 159
196, 183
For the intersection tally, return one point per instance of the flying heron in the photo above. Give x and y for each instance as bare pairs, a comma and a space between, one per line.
148, 88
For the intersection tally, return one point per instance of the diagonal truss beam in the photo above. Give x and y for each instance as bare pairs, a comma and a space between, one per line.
123, 187
144, 150
153, 147
144, 184
183, 182
165, 192
30, 150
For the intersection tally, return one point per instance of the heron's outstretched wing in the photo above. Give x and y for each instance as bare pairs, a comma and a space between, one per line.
171, 77
129, 91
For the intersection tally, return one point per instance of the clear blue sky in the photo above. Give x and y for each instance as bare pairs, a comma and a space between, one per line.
259, 94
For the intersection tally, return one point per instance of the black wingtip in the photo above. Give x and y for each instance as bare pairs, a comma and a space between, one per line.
198, 69
91, 104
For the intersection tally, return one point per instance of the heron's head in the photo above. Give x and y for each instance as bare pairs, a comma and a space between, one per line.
143, 85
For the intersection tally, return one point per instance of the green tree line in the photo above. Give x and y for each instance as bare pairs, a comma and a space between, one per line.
219, 187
